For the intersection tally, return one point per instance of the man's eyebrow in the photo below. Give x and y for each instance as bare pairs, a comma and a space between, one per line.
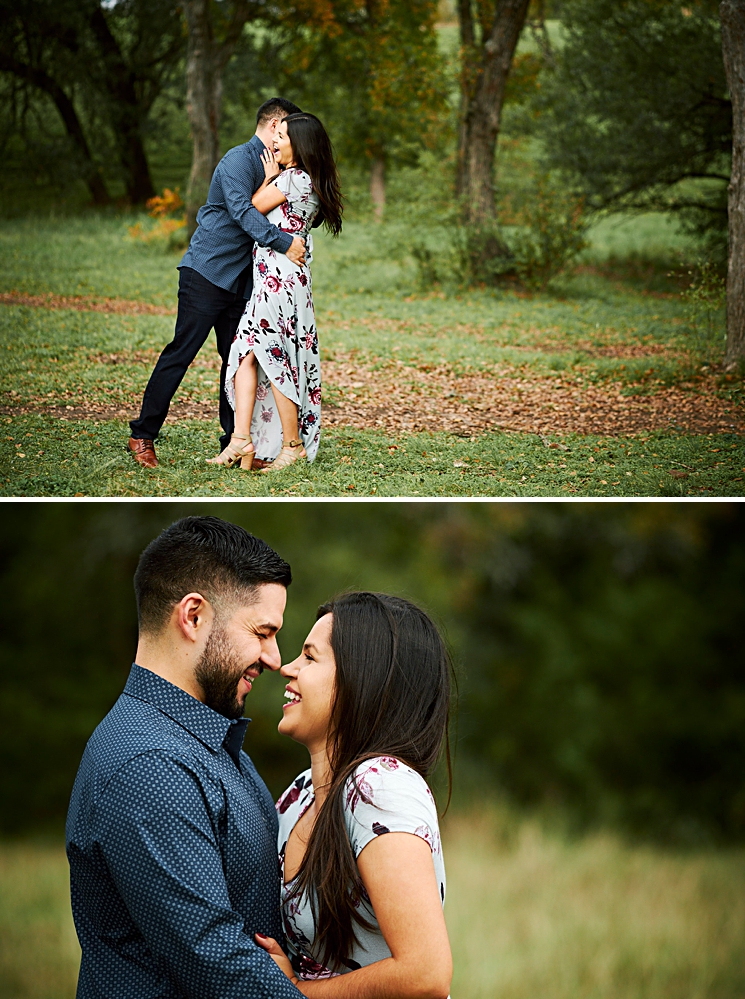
268, 627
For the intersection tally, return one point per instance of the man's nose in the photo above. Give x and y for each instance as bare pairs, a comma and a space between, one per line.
270, 655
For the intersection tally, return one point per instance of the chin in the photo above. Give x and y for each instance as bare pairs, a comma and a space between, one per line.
288, 731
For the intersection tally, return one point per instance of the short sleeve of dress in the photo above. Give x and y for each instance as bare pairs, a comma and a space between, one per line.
295, 185
386, 796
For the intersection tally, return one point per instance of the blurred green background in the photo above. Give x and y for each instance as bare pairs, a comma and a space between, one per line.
594, 845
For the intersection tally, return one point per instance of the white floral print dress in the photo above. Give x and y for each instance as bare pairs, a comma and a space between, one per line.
384, 796
279, 326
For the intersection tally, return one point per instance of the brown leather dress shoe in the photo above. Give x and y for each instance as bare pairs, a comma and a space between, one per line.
143, 452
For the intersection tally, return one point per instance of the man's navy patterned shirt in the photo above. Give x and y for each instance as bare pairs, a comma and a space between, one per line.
172, 843
222, 246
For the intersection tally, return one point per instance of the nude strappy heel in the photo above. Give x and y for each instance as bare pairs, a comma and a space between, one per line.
289, 454
234, 454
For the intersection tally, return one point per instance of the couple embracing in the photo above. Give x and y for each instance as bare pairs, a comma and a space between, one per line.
187, 882
246, 274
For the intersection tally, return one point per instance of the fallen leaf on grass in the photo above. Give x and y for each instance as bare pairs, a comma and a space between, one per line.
400, 399
86, 303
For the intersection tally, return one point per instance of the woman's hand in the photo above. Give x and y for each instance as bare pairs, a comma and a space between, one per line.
276, 953
271, 167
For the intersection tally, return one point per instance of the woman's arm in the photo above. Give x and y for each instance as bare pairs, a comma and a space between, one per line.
268, 196
399, 876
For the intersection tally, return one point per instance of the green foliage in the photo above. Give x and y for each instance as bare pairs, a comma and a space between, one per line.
636, 113
371, 71
548, 231
604, 663
599, 645
109, 62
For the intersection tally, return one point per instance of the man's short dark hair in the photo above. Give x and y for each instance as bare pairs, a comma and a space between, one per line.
275, 107
203, 555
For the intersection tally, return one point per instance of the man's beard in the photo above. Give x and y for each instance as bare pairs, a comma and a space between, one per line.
218, 672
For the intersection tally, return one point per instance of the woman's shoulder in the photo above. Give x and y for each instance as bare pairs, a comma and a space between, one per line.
386, 795
382, 779
296, 792
294, 179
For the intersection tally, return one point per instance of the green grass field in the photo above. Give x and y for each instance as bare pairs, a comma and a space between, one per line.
530, 913
599, 387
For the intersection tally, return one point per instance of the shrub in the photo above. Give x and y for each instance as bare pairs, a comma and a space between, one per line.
540, 229
169, 230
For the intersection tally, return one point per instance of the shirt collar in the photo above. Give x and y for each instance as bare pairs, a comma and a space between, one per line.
256, 142
208, 726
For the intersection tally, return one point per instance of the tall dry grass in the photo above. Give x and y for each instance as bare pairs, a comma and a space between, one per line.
532, 915
39, 952
537, 915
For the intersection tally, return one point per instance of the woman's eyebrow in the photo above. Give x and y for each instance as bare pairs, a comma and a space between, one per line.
309, 645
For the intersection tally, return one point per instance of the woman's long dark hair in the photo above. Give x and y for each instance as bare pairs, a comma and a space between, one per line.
312, 152
391, 698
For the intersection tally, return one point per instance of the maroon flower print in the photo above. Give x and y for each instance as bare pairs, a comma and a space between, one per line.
273, 283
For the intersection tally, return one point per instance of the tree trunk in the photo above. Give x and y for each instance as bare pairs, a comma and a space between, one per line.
40, 79
203, 99
485, 67
126, 110
377, 187
732, 14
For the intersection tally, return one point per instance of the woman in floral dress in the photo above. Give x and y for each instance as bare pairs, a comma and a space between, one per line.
273, 377
362, 874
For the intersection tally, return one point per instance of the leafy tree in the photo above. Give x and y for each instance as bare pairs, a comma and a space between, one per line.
214, 31
604, 672
733, 45
489, 31
636, 112
598, 646
102, 65
371, 66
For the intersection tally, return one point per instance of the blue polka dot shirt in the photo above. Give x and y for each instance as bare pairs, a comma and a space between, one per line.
171, 838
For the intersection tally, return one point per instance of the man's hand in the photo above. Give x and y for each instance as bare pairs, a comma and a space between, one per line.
296, 251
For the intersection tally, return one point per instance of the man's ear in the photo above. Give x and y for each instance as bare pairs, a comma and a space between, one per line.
193, 613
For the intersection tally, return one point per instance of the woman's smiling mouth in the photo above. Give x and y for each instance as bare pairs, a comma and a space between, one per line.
292, 697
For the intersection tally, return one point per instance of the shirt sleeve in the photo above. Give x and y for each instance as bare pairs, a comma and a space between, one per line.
237, 188
162, 852
296, 185
387, 796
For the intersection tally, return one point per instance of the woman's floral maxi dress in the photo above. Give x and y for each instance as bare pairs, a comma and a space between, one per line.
279, 326
384, 795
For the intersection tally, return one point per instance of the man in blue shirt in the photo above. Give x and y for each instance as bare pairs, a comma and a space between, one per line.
216, 277
171, 833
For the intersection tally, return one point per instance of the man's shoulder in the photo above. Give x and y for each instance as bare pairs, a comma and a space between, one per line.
246, 153
132, 729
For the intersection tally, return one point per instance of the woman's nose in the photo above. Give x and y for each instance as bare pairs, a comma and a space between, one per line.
291, 669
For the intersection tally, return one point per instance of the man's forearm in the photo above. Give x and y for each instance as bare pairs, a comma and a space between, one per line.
264, 233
